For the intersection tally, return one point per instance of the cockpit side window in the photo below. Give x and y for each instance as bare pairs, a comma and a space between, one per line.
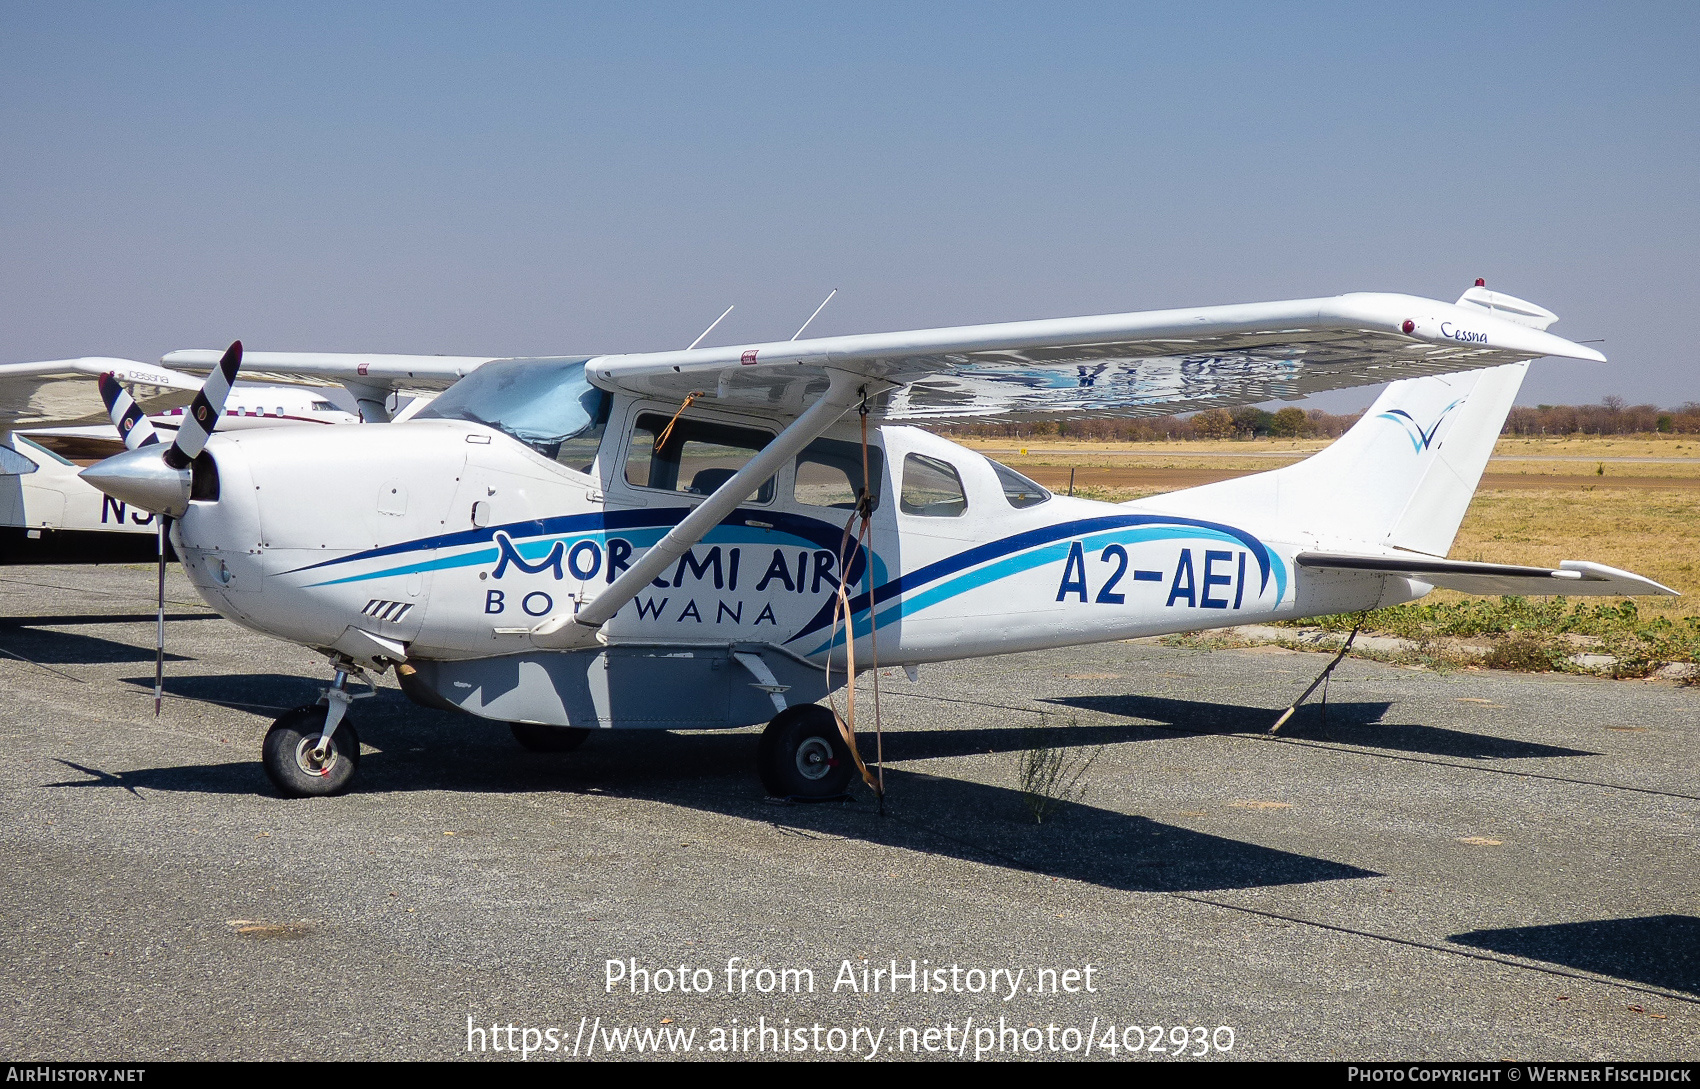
696, 457
931, 488
1020, 491
829, 474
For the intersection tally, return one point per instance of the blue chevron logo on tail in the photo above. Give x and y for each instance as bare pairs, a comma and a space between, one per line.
1420, 439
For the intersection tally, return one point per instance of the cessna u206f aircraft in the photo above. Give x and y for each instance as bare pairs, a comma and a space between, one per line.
714, 538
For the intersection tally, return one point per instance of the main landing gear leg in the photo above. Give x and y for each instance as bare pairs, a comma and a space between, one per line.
313, 750
337, 699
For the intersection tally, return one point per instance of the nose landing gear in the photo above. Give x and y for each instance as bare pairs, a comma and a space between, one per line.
313, 751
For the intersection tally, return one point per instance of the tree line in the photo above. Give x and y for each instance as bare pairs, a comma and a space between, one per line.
1612, 416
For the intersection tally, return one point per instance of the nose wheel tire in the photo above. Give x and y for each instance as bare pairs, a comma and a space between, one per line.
291, 757
548, 738
802, 754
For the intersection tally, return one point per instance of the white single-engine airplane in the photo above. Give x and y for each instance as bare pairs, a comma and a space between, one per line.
717, 537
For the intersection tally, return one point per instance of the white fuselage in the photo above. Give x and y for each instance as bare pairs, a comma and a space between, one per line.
454, 541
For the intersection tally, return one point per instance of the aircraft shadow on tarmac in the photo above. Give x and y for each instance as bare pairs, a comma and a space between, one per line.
1660, 950
46, 647
422, 749
250, 690
74, 619
1346, 724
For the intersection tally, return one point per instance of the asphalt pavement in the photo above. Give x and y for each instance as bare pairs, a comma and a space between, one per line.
1469, 865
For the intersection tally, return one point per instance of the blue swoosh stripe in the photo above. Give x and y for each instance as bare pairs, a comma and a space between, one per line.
1020, 542
534, 539
532, 549
1026, 561
568, 523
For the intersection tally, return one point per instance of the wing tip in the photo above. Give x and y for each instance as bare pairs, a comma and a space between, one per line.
1572, 350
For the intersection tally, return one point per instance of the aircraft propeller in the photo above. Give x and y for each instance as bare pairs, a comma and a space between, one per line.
205, 410
132, 423
161, 482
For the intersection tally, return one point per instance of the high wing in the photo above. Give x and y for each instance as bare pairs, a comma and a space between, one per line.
1573, 578
63, 392
1150, 363
370, 377
1139, 364
407, 373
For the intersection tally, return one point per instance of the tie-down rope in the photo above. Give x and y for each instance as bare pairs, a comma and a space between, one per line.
857, 540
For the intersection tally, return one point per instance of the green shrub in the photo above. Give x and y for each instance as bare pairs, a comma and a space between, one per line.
1530, 633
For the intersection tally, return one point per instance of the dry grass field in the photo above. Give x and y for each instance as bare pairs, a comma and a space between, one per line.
1653, 532
1652, 456
1630, 501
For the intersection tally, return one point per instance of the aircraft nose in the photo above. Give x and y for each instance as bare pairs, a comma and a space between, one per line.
142, 478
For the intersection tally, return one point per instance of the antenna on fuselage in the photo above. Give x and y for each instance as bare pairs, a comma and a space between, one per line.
711, 326
816, 314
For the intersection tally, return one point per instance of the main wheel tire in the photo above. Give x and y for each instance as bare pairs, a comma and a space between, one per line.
540, 738
288, 754
802, 754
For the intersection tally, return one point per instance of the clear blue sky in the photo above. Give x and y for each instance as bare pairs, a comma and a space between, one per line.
539, 178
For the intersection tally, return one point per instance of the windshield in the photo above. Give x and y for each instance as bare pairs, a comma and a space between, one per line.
540, 402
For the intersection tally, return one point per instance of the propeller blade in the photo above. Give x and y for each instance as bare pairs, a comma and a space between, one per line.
204, 410
159, 630
137, 431
127, 416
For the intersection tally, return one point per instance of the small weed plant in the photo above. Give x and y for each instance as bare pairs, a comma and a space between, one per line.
1052, 775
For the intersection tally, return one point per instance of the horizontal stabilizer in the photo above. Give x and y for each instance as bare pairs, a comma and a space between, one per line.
1573, 578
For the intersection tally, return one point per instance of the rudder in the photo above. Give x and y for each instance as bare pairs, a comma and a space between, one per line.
1401, 477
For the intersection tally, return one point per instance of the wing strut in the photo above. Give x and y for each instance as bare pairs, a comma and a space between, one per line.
571, 632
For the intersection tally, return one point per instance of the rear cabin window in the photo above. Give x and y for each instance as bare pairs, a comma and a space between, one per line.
697, 457
829, 474
1020, 491
931, 488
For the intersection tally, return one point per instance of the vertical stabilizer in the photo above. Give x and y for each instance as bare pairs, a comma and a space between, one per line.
1447, 482
1402, 477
